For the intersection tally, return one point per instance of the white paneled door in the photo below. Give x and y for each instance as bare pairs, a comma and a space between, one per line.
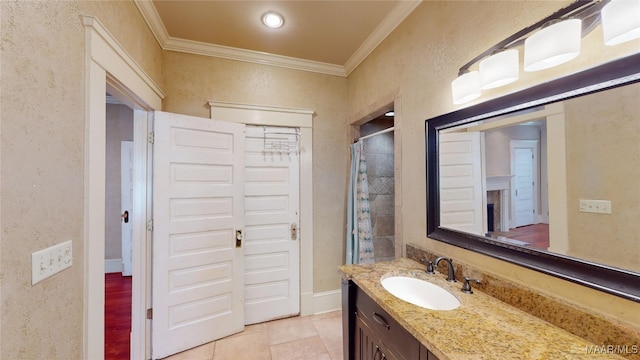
272, 244
462, 185
524, 180
198, 211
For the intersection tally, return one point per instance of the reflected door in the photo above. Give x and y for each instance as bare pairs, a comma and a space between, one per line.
524, 186
462, 185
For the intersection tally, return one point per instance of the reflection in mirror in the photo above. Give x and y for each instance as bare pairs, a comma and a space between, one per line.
591, 147
561, 178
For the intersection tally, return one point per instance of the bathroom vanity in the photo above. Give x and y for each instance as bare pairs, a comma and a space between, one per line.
378, 336
377, 325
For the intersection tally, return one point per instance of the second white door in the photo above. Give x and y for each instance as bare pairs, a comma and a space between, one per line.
272, 244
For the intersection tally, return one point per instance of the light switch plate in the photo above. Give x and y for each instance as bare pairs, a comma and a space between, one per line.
595, 206
50, 261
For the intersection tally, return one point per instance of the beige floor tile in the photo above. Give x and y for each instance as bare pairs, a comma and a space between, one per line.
304, 349
336, 354
203, 352
295, 328
330, 331
247, 347
252, 329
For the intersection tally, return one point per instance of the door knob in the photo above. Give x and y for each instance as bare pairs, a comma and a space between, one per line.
239, 238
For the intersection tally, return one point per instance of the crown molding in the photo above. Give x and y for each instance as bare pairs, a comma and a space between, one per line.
388, 24
166, 42
231, 53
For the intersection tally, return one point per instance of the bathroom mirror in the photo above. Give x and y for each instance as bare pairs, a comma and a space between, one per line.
546, 178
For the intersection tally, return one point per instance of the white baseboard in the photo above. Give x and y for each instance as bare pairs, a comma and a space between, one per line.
112, 266
327, 301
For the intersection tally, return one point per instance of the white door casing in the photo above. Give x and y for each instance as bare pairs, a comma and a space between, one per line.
272, 243
198, 207
106, 60
126, 205
462, 182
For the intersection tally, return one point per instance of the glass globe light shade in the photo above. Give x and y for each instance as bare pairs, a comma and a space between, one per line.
553, 45
466, 87
500, 69
620, 21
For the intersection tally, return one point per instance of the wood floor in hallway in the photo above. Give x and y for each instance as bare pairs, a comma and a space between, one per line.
117, 316
317, 337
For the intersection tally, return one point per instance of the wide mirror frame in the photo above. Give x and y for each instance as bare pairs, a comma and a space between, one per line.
612, 280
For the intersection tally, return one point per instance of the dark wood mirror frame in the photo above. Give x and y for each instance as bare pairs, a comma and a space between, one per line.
609, 279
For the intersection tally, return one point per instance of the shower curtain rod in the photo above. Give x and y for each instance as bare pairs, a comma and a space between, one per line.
374, 134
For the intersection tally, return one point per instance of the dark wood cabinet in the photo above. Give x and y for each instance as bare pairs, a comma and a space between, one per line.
368, 345
370, 333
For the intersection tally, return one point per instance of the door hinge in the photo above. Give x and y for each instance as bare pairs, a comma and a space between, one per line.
150, 225
150, 314
151, 137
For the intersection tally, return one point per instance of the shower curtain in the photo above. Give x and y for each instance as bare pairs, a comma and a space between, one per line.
359, 239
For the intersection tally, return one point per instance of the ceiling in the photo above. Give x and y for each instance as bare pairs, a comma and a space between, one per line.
324, 36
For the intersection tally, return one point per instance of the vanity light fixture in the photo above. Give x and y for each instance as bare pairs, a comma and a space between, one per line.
390, 113
551, 41
272, 20
620, 21
500, 69
553, 45
466, 87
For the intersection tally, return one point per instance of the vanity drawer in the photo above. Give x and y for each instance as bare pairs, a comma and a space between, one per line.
390, 333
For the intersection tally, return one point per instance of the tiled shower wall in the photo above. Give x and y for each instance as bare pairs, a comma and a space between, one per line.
380, 174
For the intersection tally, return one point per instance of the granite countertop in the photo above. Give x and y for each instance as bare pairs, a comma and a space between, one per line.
481, 328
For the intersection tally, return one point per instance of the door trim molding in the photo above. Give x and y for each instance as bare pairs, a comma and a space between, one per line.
289, 117
108, 66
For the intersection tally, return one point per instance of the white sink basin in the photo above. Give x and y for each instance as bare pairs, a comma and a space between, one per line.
421, 293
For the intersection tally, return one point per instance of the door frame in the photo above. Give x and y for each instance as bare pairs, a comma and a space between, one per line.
297, 118
108, 67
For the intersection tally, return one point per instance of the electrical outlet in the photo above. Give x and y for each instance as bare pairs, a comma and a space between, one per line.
595, 206
50, 261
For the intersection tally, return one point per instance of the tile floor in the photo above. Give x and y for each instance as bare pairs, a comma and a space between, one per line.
317, 337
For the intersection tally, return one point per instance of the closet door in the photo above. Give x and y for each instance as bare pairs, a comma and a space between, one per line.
272, 250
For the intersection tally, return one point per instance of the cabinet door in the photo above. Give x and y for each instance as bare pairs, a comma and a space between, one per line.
391, 334
426, 354
368, 346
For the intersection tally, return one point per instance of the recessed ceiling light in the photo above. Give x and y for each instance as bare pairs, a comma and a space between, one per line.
272, 20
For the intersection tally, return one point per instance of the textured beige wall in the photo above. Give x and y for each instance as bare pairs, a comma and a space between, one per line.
42, 126
603, 163
119, 128
419, 60
191, 81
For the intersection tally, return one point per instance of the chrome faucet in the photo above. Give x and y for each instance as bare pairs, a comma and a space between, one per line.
451, 276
